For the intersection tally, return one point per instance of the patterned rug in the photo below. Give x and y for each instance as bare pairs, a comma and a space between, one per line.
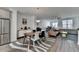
40, 46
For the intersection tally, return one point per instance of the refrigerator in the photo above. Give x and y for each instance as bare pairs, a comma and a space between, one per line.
4, 31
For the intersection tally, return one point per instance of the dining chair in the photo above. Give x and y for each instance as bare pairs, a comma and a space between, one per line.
35, 38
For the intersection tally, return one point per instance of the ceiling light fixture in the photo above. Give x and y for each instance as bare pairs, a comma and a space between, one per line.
37, 21
55, 17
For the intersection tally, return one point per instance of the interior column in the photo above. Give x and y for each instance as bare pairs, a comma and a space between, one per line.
13, 25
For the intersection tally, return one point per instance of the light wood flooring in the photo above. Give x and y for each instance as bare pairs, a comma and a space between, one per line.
63, 45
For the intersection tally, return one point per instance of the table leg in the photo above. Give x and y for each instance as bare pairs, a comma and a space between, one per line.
28, 45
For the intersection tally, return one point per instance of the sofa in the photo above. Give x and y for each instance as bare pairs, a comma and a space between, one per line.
52, 33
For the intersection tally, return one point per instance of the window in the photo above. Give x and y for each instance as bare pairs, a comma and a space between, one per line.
67, 24
55, 24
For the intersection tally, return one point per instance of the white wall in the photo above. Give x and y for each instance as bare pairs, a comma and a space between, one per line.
4, 13
76, 24
78, 38
30, 21
19, 20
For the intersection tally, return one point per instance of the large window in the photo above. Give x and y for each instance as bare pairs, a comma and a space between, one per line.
67, 24
55, 24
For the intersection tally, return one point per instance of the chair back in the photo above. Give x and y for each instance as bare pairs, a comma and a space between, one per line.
36, 35
42, 34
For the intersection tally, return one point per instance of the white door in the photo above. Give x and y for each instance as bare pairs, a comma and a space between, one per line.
4, 37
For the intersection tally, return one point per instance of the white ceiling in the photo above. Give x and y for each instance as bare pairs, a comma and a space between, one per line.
47, 12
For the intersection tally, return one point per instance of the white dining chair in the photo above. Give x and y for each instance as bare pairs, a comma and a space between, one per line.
35, 38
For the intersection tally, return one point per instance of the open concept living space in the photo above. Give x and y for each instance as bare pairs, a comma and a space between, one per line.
39, 29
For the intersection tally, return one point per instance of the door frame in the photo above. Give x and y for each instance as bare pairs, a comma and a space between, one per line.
9, 30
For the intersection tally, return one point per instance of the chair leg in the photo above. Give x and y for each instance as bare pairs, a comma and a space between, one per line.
24, 41
33, 43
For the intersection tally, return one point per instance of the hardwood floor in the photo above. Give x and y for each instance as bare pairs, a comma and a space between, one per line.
63, 45
7, 48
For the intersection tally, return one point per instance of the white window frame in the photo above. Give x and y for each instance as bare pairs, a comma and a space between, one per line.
55, 24
67, 24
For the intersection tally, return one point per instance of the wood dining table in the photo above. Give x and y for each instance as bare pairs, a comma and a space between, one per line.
28, 36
